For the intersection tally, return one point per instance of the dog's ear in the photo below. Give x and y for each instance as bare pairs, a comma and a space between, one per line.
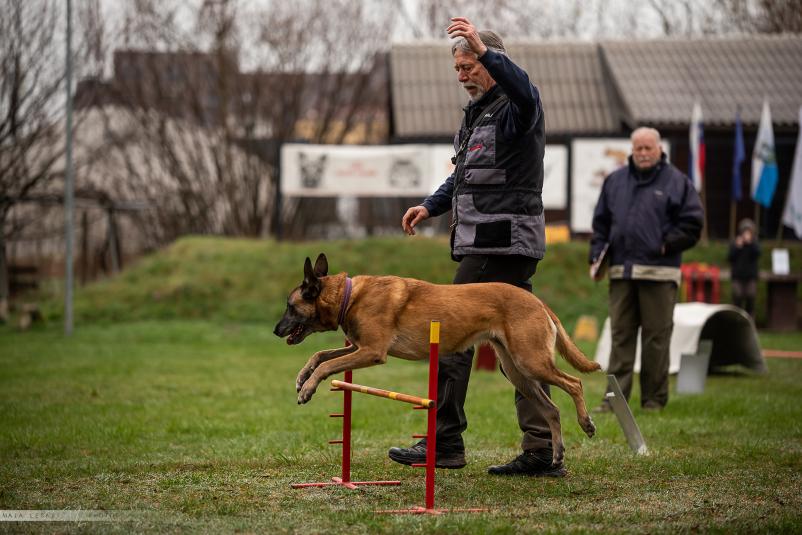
321, 265
310, 287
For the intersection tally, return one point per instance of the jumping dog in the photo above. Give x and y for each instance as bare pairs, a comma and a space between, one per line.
390, 315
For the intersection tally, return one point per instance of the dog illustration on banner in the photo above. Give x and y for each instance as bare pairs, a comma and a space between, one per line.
404, 175
390, 315
312, 170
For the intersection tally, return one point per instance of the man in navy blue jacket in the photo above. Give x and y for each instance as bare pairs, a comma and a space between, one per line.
494, 196
648, 212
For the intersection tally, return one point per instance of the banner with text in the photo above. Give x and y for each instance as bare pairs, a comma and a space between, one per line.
392, 171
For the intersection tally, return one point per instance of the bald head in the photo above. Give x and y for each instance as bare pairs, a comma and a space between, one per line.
646, 149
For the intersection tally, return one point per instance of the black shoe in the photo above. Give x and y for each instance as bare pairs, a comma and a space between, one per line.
530, 463
652, 406
417, 455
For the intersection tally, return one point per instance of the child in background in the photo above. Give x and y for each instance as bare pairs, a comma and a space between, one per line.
743, 258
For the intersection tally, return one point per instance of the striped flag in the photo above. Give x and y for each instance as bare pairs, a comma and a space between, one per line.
792, 216
764, 161
696, 162
739, 155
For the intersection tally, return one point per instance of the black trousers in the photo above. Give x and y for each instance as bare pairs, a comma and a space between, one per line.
455, 368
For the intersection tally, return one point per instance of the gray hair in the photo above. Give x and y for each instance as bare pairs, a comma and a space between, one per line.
645, 130
491, 40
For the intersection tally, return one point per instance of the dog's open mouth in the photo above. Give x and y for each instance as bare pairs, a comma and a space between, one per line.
296, 335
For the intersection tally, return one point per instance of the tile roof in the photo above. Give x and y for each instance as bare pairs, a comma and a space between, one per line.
590, 88
659, 80
427, 100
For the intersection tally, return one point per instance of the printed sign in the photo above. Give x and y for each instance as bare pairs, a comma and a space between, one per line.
392, 171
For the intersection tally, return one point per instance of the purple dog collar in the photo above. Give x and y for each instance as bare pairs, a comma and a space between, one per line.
346, 298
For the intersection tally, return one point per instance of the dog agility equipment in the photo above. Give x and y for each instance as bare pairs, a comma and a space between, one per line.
429, 404
345, 471
621, 409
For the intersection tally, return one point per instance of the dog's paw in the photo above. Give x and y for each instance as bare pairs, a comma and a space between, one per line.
305, 394
303, 375
588, 427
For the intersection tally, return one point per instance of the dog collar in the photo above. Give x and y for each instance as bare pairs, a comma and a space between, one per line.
346, 298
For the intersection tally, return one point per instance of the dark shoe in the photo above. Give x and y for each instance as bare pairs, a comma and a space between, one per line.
603, 407
652, 406
530, 463
417, 455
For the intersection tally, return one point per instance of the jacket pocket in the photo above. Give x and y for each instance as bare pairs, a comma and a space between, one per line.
494, 234
478, 177
508, 202
481, 148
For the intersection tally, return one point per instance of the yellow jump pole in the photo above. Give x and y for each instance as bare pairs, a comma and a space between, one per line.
378, 392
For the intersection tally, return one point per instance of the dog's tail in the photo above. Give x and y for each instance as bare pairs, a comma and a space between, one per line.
567, 348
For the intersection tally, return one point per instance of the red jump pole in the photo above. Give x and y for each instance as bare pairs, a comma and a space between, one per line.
346, 461
431, 431
431, 435
345, 473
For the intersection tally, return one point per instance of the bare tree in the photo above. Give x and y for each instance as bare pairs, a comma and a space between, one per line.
32, 94
763, 16
196, 135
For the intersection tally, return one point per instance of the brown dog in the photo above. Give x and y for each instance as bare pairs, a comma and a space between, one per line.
390, 316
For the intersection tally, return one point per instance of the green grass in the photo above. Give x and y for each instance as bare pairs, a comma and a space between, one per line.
195, 423
174, 399
244, 280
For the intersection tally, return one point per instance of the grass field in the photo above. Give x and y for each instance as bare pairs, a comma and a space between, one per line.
192, 424
195, 424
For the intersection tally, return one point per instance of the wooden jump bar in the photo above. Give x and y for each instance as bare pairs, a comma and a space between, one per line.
406, 398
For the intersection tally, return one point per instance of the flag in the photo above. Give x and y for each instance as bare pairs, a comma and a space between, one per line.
739, 155
696, 162
764, 161
792, 216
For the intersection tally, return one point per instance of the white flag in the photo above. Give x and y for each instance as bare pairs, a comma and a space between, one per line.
792, 216
697, 144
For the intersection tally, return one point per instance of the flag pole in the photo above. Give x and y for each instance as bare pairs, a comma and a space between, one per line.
782, 214
757, 219
703, 194
733, 209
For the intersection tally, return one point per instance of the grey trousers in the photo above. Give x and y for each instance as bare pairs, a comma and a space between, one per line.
650, 306
455, 368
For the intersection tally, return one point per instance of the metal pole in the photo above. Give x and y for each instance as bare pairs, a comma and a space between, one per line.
68, 186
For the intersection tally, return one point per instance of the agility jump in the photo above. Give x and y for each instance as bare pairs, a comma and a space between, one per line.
378, 392
430, 405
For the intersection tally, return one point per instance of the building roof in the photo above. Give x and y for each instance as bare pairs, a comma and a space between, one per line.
595, 88
659, 80
427, 99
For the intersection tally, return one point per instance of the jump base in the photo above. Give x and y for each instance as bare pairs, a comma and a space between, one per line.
338, 482
424, 511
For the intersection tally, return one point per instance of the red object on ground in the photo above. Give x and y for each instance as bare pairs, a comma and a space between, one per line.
779, 354
697, 278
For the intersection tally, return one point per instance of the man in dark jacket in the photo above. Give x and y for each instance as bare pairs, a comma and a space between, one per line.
648, 212
494, 196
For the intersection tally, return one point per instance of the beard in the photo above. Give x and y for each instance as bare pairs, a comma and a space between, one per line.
479, 91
